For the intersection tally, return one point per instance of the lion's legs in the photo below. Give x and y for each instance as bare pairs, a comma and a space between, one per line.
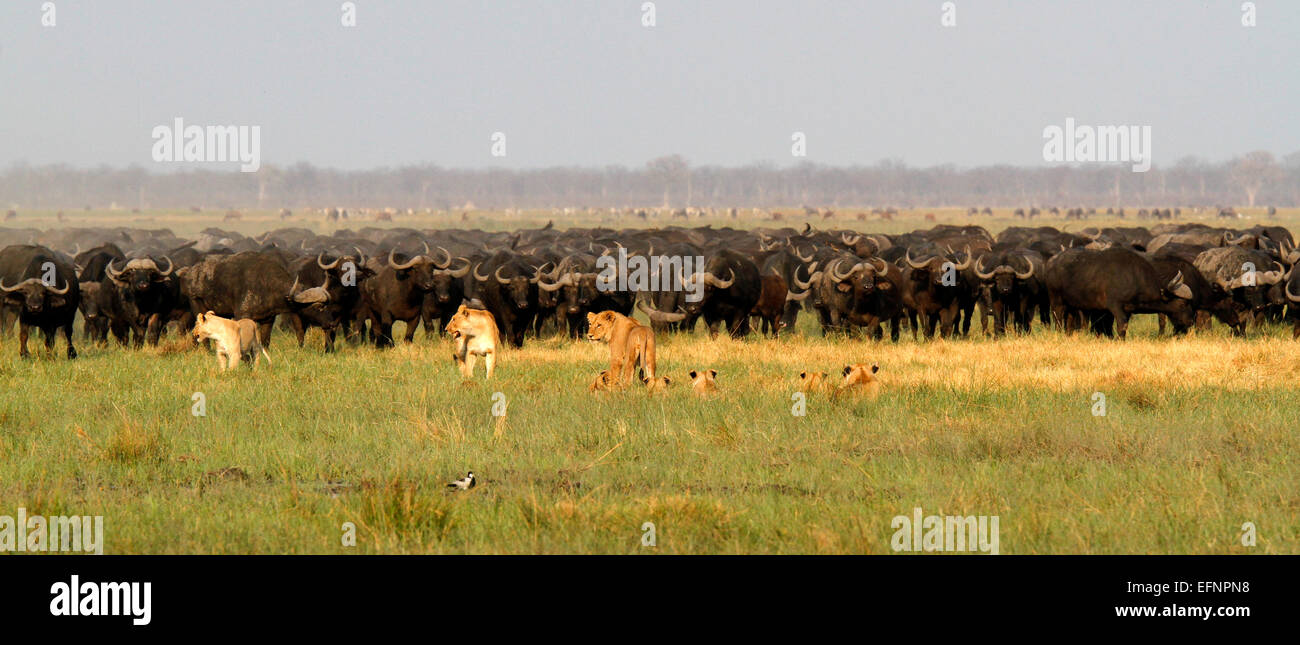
489, 361
459, 357
634, 358
617, 369
648, 360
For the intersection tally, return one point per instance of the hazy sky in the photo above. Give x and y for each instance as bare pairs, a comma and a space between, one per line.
584, 83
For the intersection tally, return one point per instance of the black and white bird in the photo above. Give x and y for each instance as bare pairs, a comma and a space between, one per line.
465, 483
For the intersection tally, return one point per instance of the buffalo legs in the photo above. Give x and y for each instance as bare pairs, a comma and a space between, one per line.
24, 331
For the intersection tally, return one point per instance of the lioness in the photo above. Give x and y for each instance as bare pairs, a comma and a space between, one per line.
473, 333
704, 383
235, 339
859, 378
630, 344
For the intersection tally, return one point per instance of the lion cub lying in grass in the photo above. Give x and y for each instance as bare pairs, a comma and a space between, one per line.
814, 382
603, 383
474, 332
859, 379
704, 382
235, 339
606, 383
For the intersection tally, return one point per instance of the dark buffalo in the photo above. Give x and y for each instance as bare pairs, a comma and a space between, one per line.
448, 292
771, 303
507, 286
253, 285
831, 288
94, 325
150, 292
1011, 287
1244, 276
103, 310
1204, 301
788, 265
873, 289
397, 292
878, 297
573, 289
42, 288
727, 288
665, 301
94, 262
1291, 291
340, 278
935, 290
1112, 285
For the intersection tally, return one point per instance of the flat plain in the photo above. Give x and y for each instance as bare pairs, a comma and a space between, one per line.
1199, 437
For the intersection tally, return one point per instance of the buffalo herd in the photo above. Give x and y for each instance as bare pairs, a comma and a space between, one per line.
133, 283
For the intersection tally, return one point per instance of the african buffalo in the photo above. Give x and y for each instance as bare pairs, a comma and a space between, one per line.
151, 292
1117, 282
42, 287
253, 285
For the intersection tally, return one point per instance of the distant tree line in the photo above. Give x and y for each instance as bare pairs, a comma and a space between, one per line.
1253, 179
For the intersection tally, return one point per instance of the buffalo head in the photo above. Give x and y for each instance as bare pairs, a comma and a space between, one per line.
140, 274
710, 281
34, 295
1003, 276
419, 269
515, 288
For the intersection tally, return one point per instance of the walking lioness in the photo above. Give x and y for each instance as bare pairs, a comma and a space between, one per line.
631, 344
474, 333
235, 339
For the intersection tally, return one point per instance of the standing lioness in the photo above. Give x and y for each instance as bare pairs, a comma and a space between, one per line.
474, 333
630, 344
235, 339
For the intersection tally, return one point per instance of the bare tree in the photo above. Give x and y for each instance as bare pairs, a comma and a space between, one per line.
668, 171
1254, 171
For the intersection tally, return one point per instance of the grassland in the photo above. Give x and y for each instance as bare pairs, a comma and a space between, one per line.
1200, 436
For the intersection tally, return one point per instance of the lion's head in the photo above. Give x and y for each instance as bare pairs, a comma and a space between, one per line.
599, 326
860, 374
470, 322
809, 380
704, 382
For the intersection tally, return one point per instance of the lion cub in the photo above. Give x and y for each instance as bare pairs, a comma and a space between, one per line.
704, 383
656, 384
473, 333
859, 378
603, 383
631, 344
606, 383
814, 381
235, 339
